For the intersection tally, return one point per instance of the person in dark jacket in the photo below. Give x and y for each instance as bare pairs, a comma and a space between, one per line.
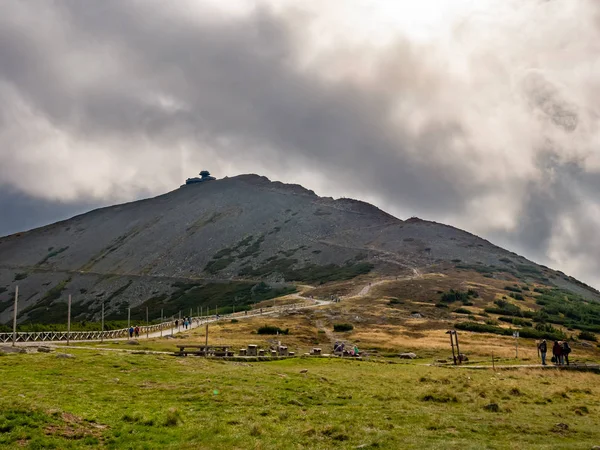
543, 348
566, 349
557, 352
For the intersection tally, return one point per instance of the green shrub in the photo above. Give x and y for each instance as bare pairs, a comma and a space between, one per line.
270, 329
512, 288
462, 311
516, 296
342, 327
587, 336
20, 276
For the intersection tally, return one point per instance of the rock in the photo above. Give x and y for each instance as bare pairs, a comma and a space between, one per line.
132, 342
304, 371
65, 355
45, 349
492, 407
560, 428
416, 316
10, 349
407, 356
463, 357
596, 447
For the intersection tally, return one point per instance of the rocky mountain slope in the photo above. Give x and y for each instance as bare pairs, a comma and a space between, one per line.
245, 228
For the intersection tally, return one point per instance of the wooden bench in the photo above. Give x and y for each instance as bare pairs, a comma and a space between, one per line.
204, 350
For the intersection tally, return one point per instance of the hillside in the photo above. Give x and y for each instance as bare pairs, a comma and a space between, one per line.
184, 248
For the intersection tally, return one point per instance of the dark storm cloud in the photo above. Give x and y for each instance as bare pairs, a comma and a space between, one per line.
107, 101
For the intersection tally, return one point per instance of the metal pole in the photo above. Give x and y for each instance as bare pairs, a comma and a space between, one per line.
457, 347
147, 323
206, 345
129, 317
102, 327
69, 320
161, 321
15, 316
191, 313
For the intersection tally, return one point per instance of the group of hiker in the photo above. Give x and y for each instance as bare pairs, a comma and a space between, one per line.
340, 348
185, 322
560, 352
134, 331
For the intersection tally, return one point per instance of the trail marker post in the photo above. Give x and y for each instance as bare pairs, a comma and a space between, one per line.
14, 339
457, 347
69, 320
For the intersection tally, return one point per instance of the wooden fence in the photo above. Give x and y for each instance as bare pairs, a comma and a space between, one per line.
58, 336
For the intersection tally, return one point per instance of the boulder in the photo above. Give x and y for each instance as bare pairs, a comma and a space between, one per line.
65, 355
45, 349
407, 356
132, 342
11, 349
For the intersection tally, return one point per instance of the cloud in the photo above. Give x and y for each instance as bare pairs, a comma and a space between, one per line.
490, 123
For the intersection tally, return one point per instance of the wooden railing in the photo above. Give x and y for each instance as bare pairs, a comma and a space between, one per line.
59, 336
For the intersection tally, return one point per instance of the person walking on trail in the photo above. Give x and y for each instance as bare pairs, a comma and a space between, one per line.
557, 353
543, 348
137, 331
131, 332
177, 323
566, 349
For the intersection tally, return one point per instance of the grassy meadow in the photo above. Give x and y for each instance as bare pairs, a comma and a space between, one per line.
114, 395
134, 401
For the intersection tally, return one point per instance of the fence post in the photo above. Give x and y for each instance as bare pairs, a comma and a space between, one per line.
161, 321
15, 316
129, 317
69, 320
102, 328
206, 345
147, 323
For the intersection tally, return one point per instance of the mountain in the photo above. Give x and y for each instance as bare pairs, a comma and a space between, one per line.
185, 249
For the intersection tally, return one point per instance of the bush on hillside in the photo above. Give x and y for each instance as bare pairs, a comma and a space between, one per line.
588, 336
270, 329
342, 327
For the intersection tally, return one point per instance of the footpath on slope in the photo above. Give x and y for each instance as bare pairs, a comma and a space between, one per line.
195, 323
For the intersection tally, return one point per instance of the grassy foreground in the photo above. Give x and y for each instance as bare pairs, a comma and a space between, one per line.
123, 400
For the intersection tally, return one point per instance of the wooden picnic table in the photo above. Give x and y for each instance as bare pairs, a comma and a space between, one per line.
204, 350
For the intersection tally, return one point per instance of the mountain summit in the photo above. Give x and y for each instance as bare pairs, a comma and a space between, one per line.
245, 228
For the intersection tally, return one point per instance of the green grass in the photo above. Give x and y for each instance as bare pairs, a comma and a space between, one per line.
120, 400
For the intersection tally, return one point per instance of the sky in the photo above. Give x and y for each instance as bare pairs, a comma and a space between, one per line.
483, 114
